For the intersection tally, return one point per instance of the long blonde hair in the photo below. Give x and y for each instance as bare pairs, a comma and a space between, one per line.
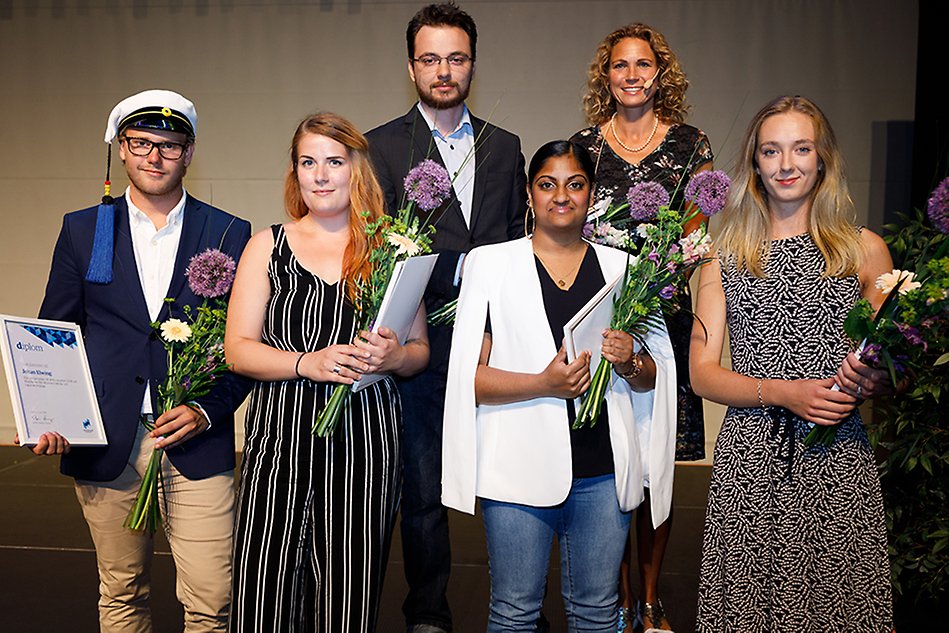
669, 103
366, 201
746, 223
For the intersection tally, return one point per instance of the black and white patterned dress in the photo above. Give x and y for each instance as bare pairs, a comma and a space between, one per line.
314, 516
795, 538
683, 150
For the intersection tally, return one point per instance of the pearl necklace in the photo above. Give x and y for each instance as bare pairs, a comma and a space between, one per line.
633, 150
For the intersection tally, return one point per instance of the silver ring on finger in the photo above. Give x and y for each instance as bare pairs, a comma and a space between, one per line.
337, 369
859, 391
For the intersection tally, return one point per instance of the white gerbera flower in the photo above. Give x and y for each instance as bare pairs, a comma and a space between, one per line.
403, 244
887, 281
175, 331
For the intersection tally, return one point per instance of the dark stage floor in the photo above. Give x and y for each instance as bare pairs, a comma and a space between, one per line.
49, 581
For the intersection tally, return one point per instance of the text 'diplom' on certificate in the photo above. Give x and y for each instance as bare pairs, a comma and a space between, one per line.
50, 383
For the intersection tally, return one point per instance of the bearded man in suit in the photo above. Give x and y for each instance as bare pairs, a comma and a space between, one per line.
487, 206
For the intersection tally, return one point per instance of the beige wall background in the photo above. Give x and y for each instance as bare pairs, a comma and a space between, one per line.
255, 68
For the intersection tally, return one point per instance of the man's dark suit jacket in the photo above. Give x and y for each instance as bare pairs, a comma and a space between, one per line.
498, 202
125, 352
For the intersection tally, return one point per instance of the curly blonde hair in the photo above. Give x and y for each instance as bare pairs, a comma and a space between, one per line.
746, 220
669, 103
366, 200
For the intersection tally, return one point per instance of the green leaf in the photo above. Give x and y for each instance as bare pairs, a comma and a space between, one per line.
942, 360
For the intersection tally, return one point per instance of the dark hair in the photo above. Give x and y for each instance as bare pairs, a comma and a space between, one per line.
445, 14
553, 149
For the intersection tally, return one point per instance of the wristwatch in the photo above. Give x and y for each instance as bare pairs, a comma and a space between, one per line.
637, 367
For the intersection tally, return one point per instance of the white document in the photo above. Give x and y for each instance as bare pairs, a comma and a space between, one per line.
400, 303
584, 331
50, 383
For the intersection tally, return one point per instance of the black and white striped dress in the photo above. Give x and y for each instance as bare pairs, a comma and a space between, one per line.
795, 538
315, 516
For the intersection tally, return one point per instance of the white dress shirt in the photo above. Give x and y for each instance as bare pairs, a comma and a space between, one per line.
155, 253
457, 152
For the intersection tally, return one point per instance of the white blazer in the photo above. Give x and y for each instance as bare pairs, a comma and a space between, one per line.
520, 452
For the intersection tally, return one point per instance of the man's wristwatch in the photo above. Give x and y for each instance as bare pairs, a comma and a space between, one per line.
637, 367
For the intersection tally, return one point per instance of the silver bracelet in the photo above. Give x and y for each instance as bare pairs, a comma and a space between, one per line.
760, 401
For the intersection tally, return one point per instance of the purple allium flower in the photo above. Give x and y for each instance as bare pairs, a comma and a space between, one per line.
667, 292
645, 199
938, 207
708, 190
427, 185
211, 273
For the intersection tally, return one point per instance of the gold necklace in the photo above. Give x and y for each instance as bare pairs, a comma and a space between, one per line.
561, 280
633, 150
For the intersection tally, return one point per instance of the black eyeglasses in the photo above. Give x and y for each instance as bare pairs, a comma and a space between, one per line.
430, 60
143, 147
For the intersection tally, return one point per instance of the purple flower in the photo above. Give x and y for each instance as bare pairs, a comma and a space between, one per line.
667, 292
645, 199
653, 256
588, 229
871, 354
211, 273
938, 207
912, 335
708, 190
427, 185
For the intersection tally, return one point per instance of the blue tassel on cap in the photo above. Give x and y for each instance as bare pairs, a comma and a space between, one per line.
100, 263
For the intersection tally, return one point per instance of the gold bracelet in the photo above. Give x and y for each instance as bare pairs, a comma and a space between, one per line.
637, 367
760, 400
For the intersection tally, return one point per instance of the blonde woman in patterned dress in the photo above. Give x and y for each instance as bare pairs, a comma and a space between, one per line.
794, 535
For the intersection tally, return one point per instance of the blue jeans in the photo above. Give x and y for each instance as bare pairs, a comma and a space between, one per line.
592, 532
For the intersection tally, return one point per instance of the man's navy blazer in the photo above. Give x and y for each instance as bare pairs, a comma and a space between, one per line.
125, 352
498, 201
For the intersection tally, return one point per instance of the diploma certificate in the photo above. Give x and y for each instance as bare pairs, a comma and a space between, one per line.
400, 303
50, 383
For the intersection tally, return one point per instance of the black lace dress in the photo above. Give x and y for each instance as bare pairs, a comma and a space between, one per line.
795, 538
678, 156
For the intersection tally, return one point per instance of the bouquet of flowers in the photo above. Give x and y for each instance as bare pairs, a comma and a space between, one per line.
910, 331
404, 235
195, 347
664, 258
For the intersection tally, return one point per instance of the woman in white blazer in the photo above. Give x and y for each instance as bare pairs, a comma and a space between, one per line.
510, 403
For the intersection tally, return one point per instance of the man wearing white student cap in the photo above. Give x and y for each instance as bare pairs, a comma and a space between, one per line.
112, 268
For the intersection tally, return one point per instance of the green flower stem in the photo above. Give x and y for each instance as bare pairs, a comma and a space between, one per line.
445, 315
823, 435
146, 513
592, 404
329, 417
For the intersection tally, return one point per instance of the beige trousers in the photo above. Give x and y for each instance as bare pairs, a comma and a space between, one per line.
198, 520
